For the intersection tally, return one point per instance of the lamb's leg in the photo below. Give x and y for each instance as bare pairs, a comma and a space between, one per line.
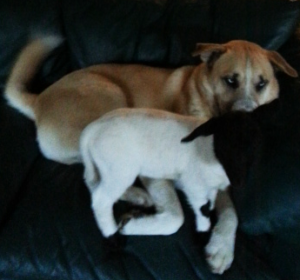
197, 199
220, 249
212, 195
137, 196
169, 216
102, 205
112, 186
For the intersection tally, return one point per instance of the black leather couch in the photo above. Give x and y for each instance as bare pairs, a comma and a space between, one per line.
47, 229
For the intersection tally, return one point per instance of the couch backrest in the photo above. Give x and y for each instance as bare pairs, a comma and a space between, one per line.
155, 32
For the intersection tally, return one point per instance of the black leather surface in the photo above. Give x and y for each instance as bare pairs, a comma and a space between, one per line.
269, 208
260, 21
47, 229
270, 200
20, 19
165, 32
52, 235
18, 151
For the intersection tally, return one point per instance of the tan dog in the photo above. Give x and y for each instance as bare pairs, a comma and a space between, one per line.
237, 75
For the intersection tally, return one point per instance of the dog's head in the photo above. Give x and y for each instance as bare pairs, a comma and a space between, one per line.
237, 143
241, 74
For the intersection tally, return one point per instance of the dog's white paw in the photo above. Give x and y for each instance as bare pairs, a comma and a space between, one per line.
220, 252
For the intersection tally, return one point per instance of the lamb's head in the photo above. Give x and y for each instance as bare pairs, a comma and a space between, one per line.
237, 139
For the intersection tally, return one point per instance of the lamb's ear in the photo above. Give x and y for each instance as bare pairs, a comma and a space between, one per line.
208, 51
208, 128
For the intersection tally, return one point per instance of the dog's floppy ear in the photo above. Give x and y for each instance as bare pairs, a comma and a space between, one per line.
205, 129
281, 64
209, 52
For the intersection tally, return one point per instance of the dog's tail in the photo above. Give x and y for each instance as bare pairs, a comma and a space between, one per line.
91, 173
23, 72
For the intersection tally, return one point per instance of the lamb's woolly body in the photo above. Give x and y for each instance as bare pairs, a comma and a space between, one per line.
137, 142
150, 145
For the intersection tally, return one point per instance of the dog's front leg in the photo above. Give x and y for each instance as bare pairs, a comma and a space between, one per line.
220, 248
169, 216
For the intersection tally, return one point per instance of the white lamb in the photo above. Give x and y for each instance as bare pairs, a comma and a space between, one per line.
127, 143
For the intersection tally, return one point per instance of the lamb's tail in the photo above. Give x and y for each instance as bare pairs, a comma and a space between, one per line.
91, 173
23, 72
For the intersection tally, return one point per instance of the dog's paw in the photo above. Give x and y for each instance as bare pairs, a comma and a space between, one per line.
219, 252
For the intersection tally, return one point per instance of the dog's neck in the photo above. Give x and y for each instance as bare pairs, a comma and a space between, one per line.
202, 102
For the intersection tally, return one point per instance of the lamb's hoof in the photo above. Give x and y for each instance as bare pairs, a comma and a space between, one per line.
206, 209
115, 242
124, 220
141, 211
203, 224
135, 213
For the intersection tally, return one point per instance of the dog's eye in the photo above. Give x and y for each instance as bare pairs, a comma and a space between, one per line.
261, 85
231, 81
